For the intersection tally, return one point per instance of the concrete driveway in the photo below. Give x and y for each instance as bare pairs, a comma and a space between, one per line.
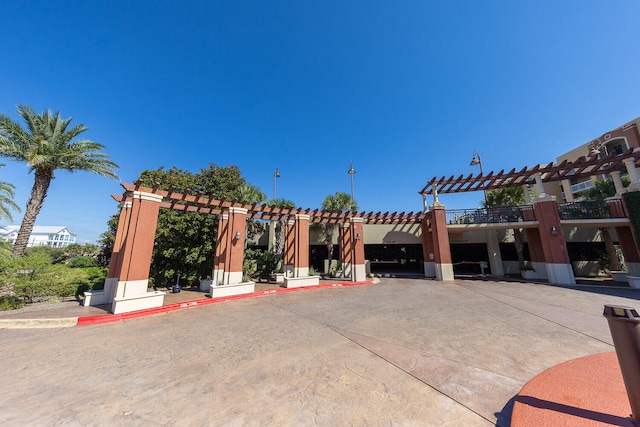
404, 352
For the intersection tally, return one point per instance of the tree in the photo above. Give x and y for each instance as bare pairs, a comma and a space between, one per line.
601, 190
280, 226
338, 202
247, 193
185, 241
509, 196
48, 144
6, 200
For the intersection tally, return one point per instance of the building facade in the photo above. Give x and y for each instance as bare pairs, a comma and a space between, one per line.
42, 235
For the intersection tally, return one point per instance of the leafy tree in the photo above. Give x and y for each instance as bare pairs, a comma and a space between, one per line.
46, 145
509, 196
185, 241
6, 200
338, 202
601, 190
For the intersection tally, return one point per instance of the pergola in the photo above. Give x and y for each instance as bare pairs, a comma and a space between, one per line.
185, 201
581, 168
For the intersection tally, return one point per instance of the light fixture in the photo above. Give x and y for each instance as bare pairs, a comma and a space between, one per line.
276, 175
554, 230
351, 172
237, 235
358, 236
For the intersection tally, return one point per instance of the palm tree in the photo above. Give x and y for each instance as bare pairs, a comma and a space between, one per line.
509, 196
338, 202
46, 145
281, 225
6, 200
248, 193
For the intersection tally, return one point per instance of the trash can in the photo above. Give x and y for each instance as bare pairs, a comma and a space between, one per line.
624, 324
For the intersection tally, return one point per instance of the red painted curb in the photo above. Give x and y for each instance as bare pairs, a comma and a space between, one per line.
110, 318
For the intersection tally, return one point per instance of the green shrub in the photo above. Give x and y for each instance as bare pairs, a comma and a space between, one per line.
10, 303
260, 263
82, 262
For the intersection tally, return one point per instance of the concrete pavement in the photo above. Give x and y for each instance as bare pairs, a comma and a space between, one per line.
402, 352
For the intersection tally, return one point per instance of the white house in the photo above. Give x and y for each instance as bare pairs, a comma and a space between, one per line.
56, 236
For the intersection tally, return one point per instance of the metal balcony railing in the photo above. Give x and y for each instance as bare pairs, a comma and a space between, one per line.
485, 215
584, 210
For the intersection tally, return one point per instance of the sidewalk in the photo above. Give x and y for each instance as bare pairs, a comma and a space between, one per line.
405, 351
71, 312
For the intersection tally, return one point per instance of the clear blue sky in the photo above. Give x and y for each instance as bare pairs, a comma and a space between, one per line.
405, 89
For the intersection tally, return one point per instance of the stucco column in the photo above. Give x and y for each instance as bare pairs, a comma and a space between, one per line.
358, 268
346, 252
288, 255
626, 238
229, 253
134, 258
495, 256
301, 246
535, 245
617, 181
566, 187
527, 196
633, 173
553, 243
442, 250
427, 248
539, 187
115, 263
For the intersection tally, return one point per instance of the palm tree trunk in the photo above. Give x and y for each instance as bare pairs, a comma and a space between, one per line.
39, 191
518, 242
614, 261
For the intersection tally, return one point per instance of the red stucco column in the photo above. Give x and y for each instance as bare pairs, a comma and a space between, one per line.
358, 267
301, 245
442, 251
134, 258
552, 241
346, 251
428, 254
625, 235
115, 264
288, 254
229, 254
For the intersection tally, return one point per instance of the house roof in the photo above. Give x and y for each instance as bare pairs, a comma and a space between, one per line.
38, 229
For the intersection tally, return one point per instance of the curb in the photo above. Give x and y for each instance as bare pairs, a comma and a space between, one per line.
110, 318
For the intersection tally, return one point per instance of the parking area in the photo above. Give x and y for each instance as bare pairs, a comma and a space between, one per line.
399, 352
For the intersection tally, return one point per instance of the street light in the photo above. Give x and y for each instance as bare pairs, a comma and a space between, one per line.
476, 160
276, 175
351, 172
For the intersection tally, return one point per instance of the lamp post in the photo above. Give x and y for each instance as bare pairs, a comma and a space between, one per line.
476, 160
351, 172
276, 175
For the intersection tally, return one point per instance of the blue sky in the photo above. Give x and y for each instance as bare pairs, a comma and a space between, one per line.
405, 89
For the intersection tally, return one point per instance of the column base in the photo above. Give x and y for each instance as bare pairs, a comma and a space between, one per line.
221, 277
560, 274
102, 296
541, 269
633, 268
137, 302
358, 273
444, 271
430, 269
300, 282
218, 291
